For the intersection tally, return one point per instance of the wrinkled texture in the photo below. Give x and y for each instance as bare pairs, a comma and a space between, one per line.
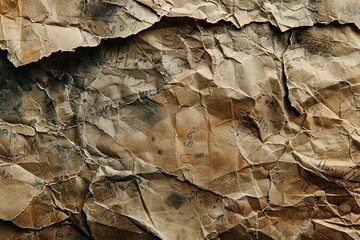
33, 29
202, 120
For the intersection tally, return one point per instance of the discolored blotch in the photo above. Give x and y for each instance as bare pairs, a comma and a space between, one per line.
13, 83
98, 17
58, 83
312, 44
142, 112
71, 70
98, 10
10, 99
102, 10
150, 114
175, 200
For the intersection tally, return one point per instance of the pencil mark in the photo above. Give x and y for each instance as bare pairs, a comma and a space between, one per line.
261, 122
312, 45
189, 142
329, 170
5, 175
109, 217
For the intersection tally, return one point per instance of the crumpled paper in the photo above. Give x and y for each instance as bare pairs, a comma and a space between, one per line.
33, 29
202, 120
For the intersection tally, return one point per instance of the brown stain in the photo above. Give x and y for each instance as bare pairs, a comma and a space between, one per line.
143, 113
184, 187
217, 162
175, 200
9, 8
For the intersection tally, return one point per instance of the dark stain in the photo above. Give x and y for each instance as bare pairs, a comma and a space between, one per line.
67, 71
10, 98
279, 36
312, 44
98, 10
57, 81
13, 84
71, 68
175, 200
144, 110
98, 17
149, 111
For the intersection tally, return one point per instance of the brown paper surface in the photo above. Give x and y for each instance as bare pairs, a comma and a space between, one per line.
179, 120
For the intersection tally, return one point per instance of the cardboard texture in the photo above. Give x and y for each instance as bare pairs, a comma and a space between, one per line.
179, 120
